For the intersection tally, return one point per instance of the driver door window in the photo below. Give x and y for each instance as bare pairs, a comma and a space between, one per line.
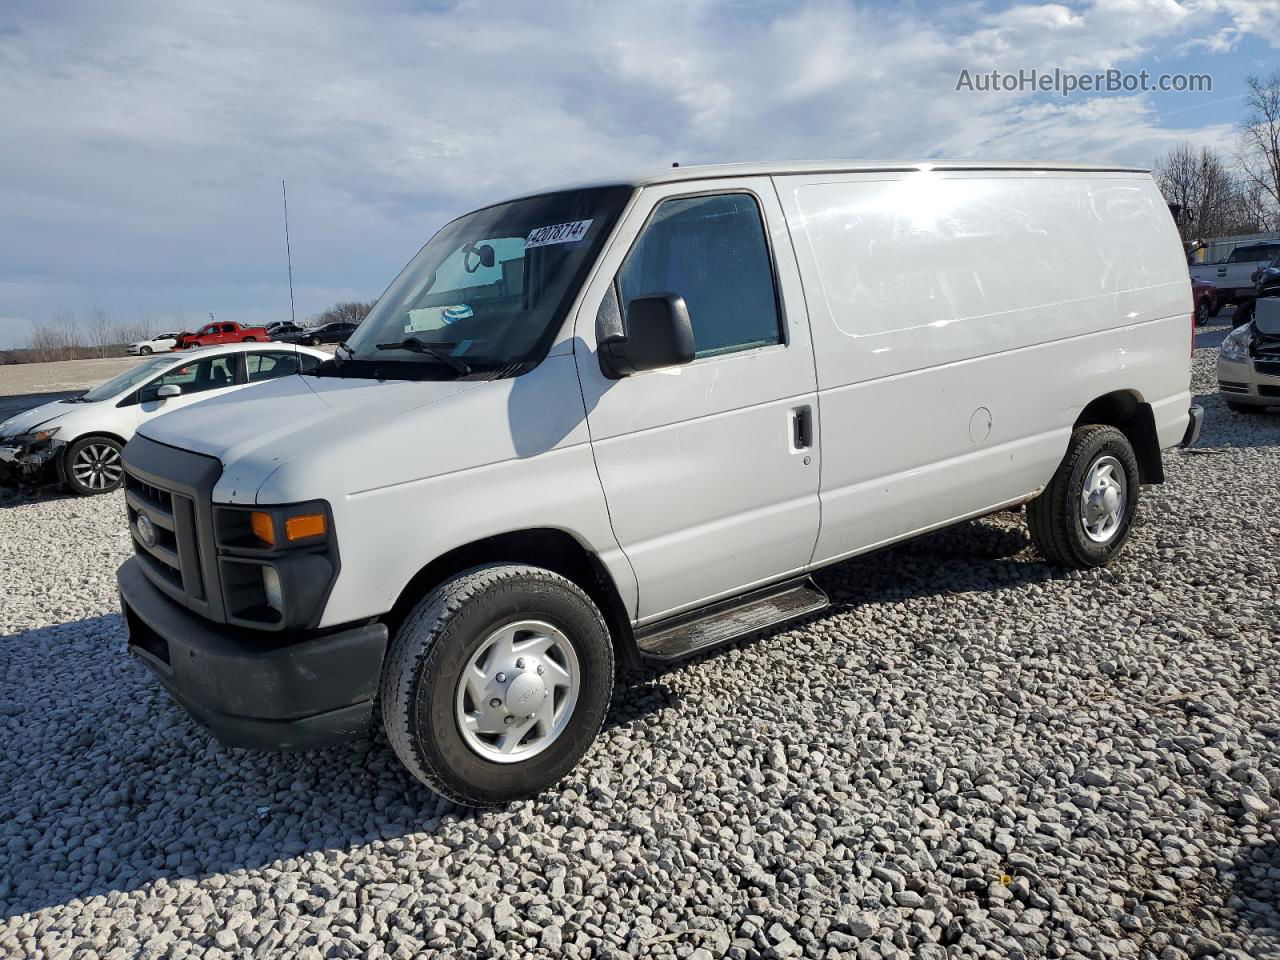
711, 251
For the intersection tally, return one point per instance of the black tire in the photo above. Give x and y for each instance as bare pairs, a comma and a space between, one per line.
1243, 313
1202, 311
145, 351
80, 459
435, 644
1235, 407
1055, 518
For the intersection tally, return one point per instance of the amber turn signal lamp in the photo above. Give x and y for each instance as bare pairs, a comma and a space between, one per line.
263, 528
307, 525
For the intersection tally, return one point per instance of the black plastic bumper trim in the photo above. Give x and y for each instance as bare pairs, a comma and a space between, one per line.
260, 690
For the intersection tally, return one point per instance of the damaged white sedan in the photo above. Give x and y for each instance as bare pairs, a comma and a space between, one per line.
77, 441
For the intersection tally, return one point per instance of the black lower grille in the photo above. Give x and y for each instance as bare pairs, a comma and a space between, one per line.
1269, 368
1268, 390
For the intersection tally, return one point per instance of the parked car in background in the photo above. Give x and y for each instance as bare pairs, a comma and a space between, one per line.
329, 333
213, 334
1266, 283
160, 343
78, 440
1249, 361
1205, 296
625, 423
279, 328
1233, 276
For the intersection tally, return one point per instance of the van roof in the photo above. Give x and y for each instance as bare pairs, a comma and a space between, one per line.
707, 171
712, 171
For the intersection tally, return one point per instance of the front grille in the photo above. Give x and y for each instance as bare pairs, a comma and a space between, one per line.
1270, 368
166, 543
1268, 390
1230, 386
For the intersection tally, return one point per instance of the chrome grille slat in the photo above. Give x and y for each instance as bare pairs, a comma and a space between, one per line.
173, 558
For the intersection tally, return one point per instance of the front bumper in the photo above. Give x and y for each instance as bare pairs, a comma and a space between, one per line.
1243, 382
23, 465
261, 691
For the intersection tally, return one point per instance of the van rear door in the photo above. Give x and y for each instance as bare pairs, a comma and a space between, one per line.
710, 470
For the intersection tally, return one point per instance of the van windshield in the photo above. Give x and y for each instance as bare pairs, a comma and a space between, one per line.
488, 291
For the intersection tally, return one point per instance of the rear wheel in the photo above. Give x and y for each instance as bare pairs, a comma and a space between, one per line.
250, 339
1083, 517
1202, 312
497, 683
93, 466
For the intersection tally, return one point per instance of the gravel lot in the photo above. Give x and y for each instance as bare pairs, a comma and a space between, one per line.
972, 755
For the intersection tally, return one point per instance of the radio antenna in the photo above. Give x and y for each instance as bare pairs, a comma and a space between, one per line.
288, 252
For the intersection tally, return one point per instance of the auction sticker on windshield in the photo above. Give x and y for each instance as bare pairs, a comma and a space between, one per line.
560, 233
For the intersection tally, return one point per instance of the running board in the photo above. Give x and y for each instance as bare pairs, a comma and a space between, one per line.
729, 620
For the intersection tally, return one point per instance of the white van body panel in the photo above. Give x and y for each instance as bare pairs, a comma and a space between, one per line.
961, 323
947, 326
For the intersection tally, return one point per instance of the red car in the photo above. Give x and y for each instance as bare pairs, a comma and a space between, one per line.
1205, 296
212, 334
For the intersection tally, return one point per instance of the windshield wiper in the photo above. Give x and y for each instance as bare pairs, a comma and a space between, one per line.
414, 345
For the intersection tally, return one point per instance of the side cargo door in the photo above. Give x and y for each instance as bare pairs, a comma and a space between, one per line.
710, 470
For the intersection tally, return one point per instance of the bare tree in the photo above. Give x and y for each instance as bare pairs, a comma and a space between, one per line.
56, 337
1200, 184
351, 311
1258, 152
99, 331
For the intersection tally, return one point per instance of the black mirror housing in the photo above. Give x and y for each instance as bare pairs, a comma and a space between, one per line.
656, 333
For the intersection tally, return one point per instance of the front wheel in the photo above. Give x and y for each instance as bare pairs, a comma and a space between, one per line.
497, 683
1084, 516
1202, 312
93, 466
145, 351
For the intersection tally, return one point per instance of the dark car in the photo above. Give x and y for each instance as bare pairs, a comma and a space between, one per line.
1266, 283
329, 333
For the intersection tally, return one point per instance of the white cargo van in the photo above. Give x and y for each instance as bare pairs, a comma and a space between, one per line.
624, 422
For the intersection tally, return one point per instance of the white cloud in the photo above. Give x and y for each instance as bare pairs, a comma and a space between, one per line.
145, 140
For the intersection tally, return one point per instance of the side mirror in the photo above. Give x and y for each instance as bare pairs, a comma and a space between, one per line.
656, 333
168, 390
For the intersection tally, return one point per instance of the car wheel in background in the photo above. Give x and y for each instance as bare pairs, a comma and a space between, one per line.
1083, 517
145, 351
497, 683
93, 466
1202, 312
313, 341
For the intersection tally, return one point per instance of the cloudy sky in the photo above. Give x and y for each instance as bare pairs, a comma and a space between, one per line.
145, 140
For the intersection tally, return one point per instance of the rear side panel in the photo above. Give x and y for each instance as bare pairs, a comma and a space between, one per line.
961, 322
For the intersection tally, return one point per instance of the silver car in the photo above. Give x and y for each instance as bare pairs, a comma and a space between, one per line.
1249, 361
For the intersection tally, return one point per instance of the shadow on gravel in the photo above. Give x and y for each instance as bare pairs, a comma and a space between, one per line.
979, 555
106, 785
10, 498
1255, 892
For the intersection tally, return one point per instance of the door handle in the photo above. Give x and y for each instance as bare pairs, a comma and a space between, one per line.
802, 427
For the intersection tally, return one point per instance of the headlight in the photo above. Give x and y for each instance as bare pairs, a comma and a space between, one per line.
1235, 348
35, 438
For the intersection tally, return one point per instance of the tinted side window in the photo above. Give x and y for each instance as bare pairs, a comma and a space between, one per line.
268, 366
711, 251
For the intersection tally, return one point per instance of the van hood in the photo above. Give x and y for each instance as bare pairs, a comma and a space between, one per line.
293, 413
